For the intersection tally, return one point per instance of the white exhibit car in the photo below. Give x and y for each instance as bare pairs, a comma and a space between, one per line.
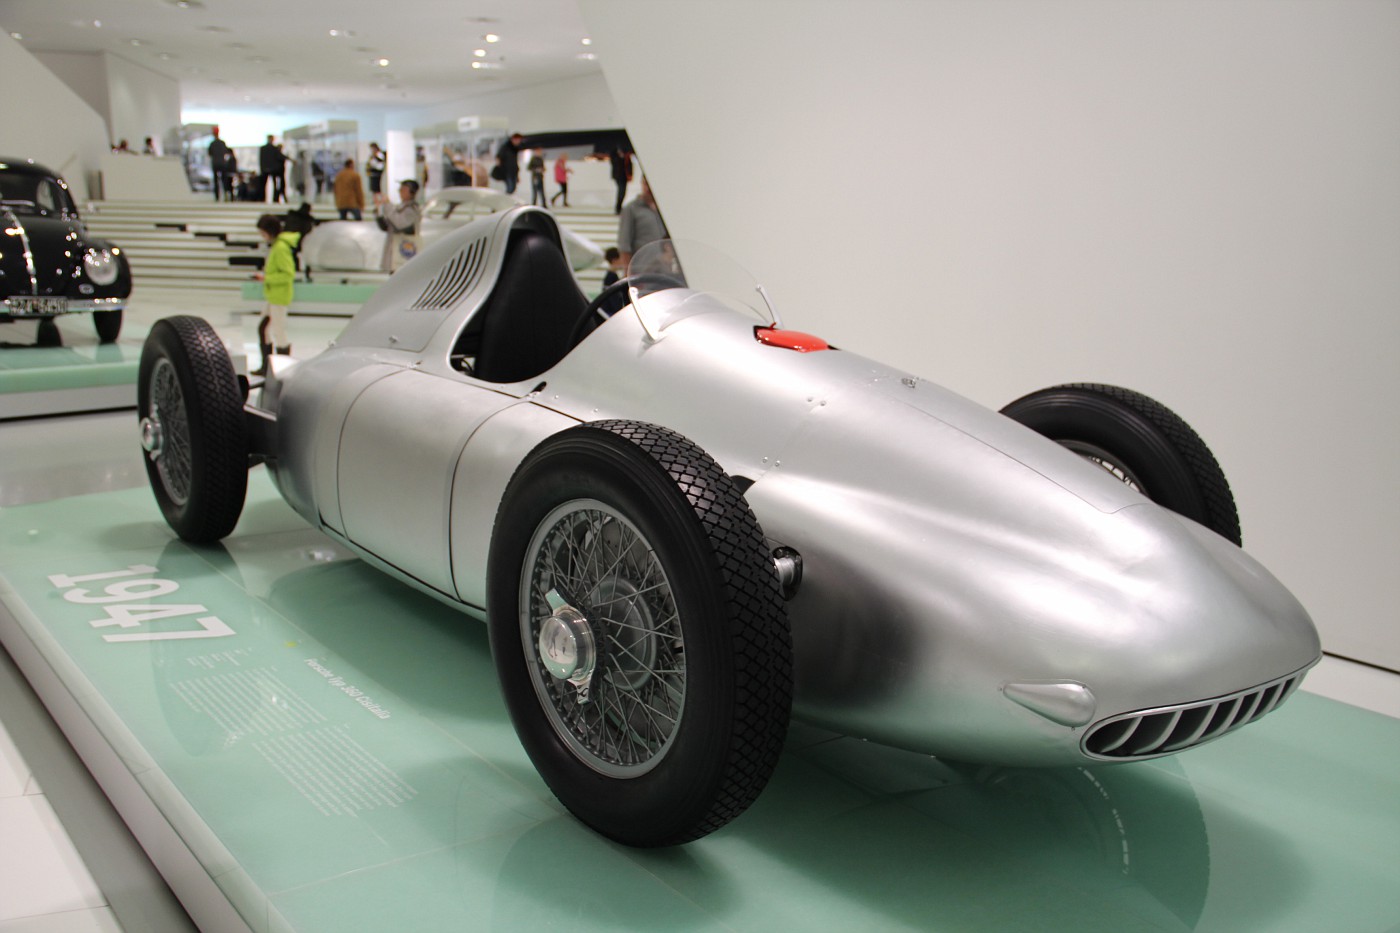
358, 245
684, 524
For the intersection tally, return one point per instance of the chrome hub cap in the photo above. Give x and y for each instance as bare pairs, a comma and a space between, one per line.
165, 432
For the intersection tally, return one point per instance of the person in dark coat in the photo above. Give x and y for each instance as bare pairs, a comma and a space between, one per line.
224, 166
509, 160
272, 167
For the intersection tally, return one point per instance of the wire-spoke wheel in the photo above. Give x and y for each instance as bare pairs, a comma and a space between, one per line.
620, 715
1141, 442
639, 632
192, 431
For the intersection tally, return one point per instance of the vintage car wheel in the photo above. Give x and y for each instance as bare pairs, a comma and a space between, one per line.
639, 632
1140, 441
192, 429
108, 324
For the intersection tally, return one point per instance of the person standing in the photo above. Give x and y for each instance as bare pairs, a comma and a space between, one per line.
639, 225
271, 166
536, 167
349, 192
224, 167
621, 174
561, 178
374, 167
278, 273
508, 157
401, 222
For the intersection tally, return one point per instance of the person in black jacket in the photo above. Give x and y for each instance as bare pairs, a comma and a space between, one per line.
272, 166
224, 166
508, 157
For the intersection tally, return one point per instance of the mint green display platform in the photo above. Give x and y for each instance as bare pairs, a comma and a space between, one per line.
306, 745
49, 380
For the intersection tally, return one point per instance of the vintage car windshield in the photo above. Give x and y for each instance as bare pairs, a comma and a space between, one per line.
673, 263
28, 193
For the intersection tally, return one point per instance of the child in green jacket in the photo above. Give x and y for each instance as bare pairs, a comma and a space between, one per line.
279, 271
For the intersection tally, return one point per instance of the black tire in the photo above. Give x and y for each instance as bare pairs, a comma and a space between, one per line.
686, 712
108, 324
192, 428
1140, 441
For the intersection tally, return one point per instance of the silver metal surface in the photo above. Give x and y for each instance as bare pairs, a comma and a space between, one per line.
969, 588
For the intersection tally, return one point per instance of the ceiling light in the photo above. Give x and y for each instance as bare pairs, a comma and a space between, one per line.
382, 63
16, 36
491, 37
587, 57
586, 41
135, 42
166, 57
479, 53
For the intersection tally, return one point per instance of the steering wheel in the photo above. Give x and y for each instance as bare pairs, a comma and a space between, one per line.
642, 278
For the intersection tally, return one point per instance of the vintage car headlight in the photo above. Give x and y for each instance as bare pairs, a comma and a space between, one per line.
101, 266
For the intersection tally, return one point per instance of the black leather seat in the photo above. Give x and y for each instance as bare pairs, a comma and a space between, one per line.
527, 322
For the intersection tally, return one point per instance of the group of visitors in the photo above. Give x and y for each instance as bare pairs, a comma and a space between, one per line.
232, 185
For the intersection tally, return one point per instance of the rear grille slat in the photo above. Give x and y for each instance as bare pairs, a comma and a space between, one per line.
1153, 732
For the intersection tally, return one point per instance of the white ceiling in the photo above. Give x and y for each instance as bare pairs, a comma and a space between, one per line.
255, 56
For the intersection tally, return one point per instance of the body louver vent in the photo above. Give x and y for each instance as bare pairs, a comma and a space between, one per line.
455, 279
1154, 732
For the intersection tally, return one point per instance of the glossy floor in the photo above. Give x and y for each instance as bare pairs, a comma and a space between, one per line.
1291, 824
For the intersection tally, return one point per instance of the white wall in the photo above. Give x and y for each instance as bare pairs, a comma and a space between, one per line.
48, 123
1199, 200
142, 103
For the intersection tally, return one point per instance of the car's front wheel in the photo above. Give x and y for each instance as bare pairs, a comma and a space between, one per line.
192, 429
1141, 442
639, 632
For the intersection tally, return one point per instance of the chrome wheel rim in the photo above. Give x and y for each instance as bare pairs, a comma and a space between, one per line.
165, 432
590, 570
1105, 461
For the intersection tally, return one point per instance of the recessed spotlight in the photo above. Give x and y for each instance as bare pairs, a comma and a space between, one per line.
586, 41
136, 42
382, 62
16, 36
166, 57
479, 53
587, 57
491, 37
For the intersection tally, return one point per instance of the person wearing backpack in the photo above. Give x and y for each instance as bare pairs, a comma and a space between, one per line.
277, 275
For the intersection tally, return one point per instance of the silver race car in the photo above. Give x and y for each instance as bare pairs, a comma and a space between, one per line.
684, 523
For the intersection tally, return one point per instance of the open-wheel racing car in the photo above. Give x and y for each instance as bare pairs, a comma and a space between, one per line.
684, 524
49, 263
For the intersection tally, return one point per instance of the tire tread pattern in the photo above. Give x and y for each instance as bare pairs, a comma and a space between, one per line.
763, 640
218, 438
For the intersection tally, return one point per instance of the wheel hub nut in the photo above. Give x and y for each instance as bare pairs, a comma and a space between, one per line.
567, 647
152, 437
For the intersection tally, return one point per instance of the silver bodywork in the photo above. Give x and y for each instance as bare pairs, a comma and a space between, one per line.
970, 589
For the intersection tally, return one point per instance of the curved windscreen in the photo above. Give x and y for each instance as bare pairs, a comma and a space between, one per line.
669, 264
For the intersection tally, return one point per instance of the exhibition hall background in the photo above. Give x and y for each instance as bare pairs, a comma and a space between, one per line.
1197, 200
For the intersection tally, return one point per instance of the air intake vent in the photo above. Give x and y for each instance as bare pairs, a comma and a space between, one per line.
458, 277
1154, 732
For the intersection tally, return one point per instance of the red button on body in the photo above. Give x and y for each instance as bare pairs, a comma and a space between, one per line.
789, 339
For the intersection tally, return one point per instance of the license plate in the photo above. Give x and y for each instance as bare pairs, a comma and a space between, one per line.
37, 304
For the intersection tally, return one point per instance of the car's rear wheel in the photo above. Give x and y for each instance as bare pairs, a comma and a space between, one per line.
108, 325
1141, 442
639, 632
192, 428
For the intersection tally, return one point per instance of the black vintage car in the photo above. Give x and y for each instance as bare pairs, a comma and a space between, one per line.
49, 264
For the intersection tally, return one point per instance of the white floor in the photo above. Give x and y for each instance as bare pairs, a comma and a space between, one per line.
67, 863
